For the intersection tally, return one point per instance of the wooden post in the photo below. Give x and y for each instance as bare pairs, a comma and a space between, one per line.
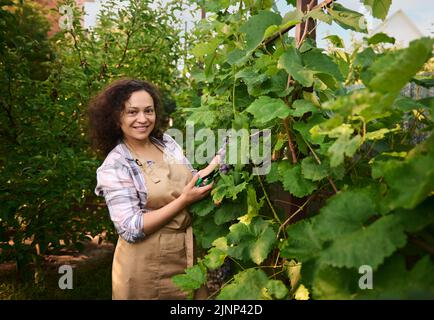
302, 28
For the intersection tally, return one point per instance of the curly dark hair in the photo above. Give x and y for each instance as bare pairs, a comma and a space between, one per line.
105, 109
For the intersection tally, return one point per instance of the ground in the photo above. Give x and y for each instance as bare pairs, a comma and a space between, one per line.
91, 275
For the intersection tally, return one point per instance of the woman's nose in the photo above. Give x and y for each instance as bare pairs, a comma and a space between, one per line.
142, 117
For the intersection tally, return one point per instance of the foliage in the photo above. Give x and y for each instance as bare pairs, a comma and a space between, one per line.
342, 149
47, 168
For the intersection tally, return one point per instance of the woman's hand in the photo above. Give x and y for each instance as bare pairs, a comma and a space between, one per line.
191, 194
212, 165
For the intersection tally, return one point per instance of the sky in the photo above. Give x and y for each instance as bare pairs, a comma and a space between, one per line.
421, 12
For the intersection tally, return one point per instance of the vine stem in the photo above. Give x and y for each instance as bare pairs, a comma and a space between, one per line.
292, 216
233, 93
237, 263
421, 244
268, 200
290, 143
319, 162
279, 33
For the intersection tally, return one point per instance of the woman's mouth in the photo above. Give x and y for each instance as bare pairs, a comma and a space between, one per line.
141, 128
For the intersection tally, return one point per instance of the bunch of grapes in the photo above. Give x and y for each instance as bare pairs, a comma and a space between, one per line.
217, 277
224, 168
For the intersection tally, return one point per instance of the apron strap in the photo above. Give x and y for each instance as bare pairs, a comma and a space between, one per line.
189, 246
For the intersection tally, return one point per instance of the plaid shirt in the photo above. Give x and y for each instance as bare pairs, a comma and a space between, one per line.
121, 183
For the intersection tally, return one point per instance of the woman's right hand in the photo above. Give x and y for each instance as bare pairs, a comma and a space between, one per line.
191, 194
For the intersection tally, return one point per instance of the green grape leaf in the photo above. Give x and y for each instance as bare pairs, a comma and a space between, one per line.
319, 62
302, 243
334, 283
205, 48
291, 61
345, 213
201, 115
393, 280
301, 107
276, 288
253, 206
229, 210
255, 27
294, 182
273, 175
265, 109
410, 180
312, 170
414, 220
206, 231
407, 104
251, 242
226, 188
215, 258
367, 246
393, 71
378, 8
193, 278
380, 38
305, 128
424, 82
344, 145
347, 19
318, 14
336, 41
247, 285
202, 208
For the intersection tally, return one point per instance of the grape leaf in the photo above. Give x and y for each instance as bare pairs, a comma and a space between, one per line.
301, 107
253, 241
348, 19
229, 210
380, 38
275, 288
379, 8
294, 182
202, 208
291, 61
255, 27
302, 244
312, 170
319, 62
265, 109
247, 285
367, 246
394, 281
193, 278
393, 71
344, 145
336, 41
334, 283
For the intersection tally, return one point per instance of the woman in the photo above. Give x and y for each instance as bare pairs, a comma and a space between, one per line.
148, 184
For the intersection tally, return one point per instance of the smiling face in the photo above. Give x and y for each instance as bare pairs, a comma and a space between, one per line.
138, 117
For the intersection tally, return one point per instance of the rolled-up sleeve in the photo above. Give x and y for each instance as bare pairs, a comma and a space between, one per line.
116, 185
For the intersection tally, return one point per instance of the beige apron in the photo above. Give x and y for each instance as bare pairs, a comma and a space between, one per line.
143, 270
